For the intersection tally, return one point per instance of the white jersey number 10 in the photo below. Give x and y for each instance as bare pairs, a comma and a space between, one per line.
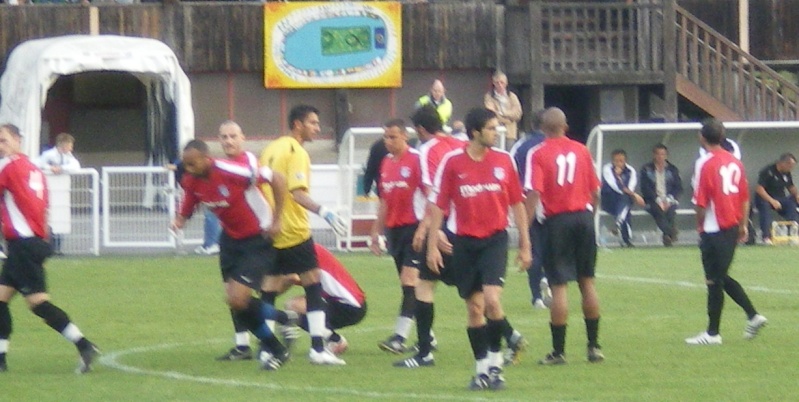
730, 177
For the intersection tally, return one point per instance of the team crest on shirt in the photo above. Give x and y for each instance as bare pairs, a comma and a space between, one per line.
499, 173
405, 172
223, 190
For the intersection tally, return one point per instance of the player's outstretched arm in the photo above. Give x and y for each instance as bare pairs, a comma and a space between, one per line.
338, 224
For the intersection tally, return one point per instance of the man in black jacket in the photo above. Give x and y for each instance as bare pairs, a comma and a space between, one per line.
661, 188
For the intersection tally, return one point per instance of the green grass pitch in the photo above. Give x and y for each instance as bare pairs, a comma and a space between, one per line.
161, 321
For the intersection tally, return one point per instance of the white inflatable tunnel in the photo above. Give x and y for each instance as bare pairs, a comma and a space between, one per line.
34, 66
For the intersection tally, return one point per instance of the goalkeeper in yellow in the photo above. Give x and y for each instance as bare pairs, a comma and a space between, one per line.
295, 247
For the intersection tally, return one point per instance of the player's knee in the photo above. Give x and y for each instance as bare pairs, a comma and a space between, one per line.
475, 309
409, 276
493, 310
36, 299
237, 302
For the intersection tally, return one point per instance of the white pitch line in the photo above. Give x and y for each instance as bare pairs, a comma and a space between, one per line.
111, 360
690, 284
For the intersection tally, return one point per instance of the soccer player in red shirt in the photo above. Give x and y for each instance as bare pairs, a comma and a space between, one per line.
435, 144
721, 197
345, 300
401, 208
248, 224
231, 138
23, 214
479, 184
560, 173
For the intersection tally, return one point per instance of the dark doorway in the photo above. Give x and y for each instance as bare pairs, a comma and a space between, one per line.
109, 114
575, 102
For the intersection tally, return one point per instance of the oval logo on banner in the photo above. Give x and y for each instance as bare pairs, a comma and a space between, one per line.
314, 44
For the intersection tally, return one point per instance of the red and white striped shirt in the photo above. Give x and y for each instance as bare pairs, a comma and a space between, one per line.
337, 283
23, 207
722, 189
433, 151
479, 192
401, 189
229, 191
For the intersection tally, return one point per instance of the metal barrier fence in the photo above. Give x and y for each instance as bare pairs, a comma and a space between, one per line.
129, 209
74, 216
139, 202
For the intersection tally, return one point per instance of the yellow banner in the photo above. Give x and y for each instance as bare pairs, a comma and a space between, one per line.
332, 45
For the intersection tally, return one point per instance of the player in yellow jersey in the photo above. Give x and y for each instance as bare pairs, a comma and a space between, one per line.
295, 247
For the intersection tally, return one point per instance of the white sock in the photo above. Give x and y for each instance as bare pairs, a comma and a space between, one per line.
72, 333
3, 345
482, 366
327, 333
403, 326
242, 339
495, 359
316, 323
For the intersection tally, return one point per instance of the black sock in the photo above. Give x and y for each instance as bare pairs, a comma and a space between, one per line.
424, 323
738, 295
56, 318
592, 331
494, 334
5, 321
715, 302
250, 317
314, 302
558, 338
408, 301
238, 326
507, 329
281, 317
478, 338
313, 297
5, 327
273, 345
334, 337
268, 297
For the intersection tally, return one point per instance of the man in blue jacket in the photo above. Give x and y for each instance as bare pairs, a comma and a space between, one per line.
661, 188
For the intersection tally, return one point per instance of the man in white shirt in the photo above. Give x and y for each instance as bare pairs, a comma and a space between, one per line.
57, 162
59, 159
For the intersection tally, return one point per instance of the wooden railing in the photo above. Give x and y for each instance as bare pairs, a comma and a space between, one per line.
730, 75
601, 38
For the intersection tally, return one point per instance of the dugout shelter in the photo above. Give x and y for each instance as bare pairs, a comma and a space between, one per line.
761, 144
125, 99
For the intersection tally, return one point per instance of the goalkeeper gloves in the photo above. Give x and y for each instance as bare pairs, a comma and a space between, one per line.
335, 221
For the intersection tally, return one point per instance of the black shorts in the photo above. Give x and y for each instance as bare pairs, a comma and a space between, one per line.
718, 250
400, 246
23, 270
295, 260
570, 247
446, 274
479, 262
340, 315
246, 261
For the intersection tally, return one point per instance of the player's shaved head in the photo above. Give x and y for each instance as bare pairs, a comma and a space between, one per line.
195, 158
553, 122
